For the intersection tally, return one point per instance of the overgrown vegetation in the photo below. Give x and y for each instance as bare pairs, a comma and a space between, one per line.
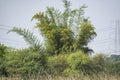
65, 52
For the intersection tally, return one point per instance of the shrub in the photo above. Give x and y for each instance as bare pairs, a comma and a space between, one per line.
76, 62
77, 59
3, 52
114, 68
57, 64
99, 59
98, 62
115, 58
24, 62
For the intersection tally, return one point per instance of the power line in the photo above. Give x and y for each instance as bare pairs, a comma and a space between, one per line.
103, 43
11, 40
105, 29
4, 25
1, 28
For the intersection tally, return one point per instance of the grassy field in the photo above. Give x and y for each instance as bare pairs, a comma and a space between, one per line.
80, 77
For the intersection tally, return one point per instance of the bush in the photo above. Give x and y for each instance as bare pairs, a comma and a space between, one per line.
57, 64
77, 59
76, 62
98, 63
99, 59
3, 52
114, 68
24, 62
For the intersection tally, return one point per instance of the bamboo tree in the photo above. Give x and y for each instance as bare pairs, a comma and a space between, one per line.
64, 31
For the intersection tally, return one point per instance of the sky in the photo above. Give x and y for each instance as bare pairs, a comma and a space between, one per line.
18, 13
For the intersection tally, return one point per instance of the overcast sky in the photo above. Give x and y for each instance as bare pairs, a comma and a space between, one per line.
102, 14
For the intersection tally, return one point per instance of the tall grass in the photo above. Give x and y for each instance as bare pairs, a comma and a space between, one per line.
79, 77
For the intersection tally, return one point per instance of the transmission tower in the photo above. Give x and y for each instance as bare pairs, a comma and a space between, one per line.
117, 36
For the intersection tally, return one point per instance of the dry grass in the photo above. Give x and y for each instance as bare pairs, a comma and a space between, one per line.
80, 77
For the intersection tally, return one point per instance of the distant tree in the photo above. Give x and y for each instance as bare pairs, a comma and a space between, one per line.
115, 58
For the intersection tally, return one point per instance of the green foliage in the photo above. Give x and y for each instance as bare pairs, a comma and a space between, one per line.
99, 61
115, 58
113, 64
3, 52
24, 62
76, 62
114, 68
57, 64
85, 35
68, 64
57, 36
66, 34
66, 31
77, 59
